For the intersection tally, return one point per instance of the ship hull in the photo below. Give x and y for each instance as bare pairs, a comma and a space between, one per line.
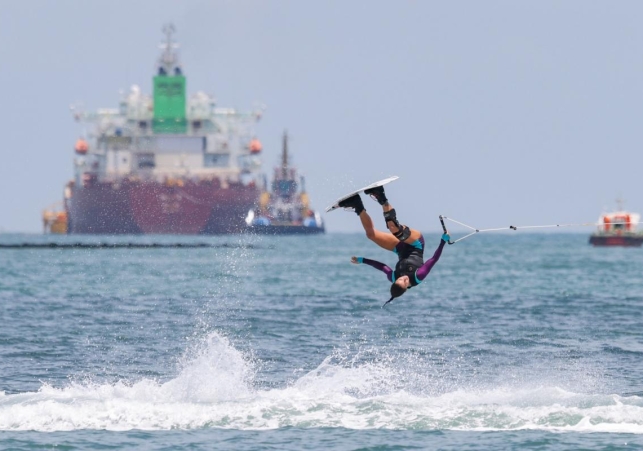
285, 230
616, 240
155, 208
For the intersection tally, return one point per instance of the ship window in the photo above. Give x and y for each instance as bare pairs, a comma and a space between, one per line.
146, 160
114, 142
213, 160
171, 144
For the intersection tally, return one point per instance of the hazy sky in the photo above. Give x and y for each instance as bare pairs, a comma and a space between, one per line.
492, 112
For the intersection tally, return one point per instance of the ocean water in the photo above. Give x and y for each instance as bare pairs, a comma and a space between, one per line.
514, 341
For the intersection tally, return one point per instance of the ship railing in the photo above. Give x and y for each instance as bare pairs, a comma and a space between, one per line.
172, 179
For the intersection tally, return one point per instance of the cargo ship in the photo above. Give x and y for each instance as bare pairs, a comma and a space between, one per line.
285, 209
165, 164
618, 228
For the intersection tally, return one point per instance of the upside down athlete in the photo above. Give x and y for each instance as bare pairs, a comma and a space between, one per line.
407, 243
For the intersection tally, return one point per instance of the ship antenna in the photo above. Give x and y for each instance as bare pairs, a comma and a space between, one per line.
619, 203
284, 156
169, 61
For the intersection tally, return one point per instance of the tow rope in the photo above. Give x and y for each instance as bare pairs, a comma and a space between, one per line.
511, 227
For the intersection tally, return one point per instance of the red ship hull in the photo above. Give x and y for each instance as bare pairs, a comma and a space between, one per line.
616, 240
285, 230
155, 208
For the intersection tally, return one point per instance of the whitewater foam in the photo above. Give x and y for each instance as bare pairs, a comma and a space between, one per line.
215, 388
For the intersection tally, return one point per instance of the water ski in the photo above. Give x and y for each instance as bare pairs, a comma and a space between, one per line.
335, 206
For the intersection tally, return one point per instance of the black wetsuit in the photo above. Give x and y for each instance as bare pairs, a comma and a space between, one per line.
410, 261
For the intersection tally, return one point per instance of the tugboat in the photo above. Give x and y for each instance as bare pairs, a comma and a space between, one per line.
617, 229
286, 210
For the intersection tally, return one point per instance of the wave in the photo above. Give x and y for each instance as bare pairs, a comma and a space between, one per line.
216, 389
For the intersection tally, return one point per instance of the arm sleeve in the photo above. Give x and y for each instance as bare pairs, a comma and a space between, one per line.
377, 265
424, 270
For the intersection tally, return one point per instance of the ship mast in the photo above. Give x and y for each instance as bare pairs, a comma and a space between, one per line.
169, 59
619, 203
284, 157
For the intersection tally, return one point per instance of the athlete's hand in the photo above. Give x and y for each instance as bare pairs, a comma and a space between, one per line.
354, 260
446, 237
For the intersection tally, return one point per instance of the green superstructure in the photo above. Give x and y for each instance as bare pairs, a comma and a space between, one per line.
169, 104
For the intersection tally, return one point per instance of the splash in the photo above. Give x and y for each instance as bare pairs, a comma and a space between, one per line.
213, 372
215, 389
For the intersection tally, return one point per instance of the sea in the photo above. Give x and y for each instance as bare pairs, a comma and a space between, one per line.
517, 341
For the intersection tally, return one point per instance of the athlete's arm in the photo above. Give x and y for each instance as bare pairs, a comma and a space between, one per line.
375, 264
424, 270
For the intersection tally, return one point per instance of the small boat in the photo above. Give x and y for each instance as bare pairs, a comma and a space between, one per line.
286, 209
618, 228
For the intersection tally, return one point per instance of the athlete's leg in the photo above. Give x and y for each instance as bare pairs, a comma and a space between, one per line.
394, 229
390, 217
380, 238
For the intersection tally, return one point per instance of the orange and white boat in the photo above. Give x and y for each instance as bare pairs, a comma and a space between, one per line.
54, 219
618, 228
